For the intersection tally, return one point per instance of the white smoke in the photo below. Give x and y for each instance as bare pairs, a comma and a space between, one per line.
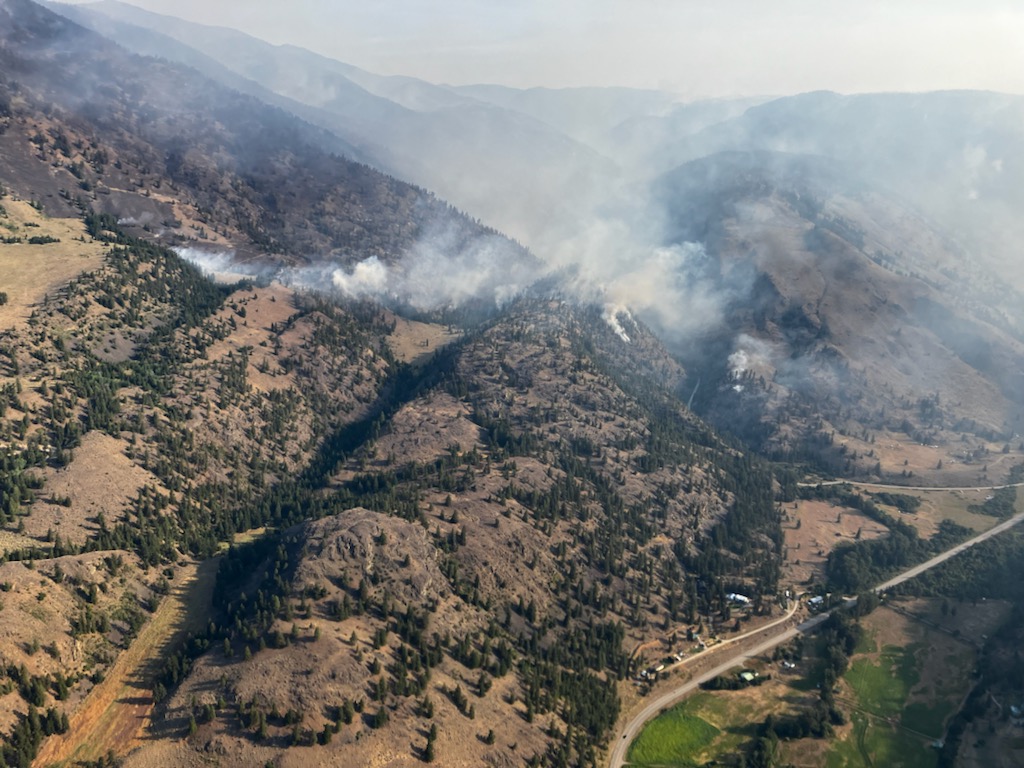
751, 354
439, 272
367, 279
613, 250
442, 270
738, 363
619, 242
663, 285
219, 265
611, 316
978, 169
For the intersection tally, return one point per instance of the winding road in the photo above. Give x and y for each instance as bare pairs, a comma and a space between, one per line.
625, 737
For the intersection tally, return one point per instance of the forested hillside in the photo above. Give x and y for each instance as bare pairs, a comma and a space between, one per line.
86, 123
536, 482
265, 520
508, 539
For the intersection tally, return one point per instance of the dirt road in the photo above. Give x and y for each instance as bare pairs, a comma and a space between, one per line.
114, 714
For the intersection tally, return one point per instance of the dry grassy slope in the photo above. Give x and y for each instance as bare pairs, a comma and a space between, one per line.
550, 371
260, 343
63, 164
314, 674
538, 371
554, 371
29, 272
41, 601
862, 327
214, 424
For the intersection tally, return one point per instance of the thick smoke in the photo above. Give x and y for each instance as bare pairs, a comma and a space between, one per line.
367, 278
616, 245
602, 254
663, 285
751, 355
552, 169
439, 272
611, 316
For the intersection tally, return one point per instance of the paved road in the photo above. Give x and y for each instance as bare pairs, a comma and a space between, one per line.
655, 706
928, 564
888, 487
624, 738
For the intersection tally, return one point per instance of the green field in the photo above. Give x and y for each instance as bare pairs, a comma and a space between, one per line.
887, 731
883, 688
875, 743
896, 698
928, 720
676, 737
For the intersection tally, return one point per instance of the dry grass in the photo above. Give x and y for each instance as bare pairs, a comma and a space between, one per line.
937, 506
115, 713
99, 479
253, 312
957, 460
29, 272
316, 673
424, 429
11, 541
822, 527
809, 545
414, 342
972, 620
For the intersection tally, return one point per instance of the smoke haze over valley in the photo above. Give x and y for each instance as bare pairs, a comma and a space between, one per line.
555, 353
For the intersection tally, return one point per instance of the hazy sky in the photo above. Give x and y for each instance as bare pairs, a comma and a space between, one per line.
694, 47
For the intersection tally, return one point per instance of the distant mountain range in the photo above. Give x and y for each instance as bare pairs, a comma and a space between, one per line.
799, 204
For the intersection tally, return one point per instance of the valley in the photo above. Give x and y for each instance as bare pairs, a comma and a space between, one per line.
863, 692
350, 418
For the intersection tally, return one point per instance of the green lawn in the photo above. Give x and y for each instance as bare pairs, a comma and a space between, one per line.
676, 738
